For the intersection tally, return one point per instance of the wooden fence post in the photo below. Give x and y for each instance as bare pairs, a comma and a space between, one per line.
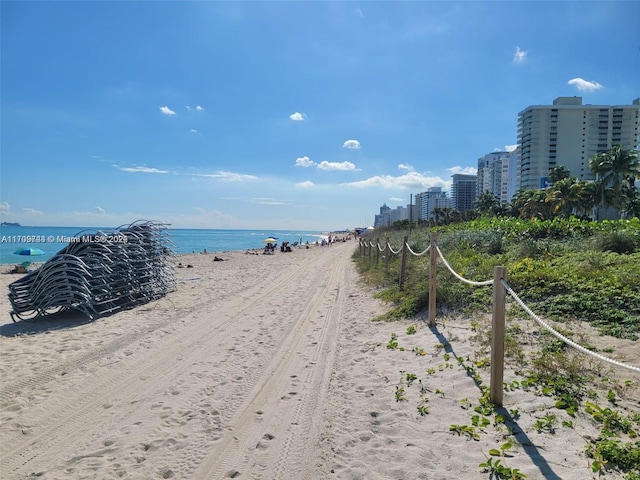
403, 264
377, 252
369, 251
387, 254
433, 263
497, 336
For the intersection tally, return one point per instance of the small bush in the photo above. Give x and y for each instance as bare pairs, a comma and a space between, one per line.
619, 242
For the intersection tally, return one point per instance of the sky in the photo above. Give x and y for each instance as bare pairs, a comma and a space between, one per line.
280, 114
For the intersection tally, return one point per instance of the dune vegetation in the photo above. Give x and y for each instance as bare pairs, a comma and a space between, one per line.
566, 270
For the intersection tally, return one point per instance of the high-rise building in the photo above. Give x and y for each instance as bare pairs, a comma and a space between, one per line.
569, 134
434, 197
513, 175
463, 191
379, 220
490, 178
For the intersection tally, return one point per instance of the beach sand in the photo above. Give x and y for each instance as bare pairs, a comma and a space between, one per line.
265, 367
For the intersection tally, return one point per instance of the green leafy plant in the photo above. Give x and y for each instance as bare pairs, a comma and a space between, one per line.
411, 377
625, 456
502, 452
546, 423
467, 430
498, 470
393, 342
480, 421
612, 421
569, 403
411, 330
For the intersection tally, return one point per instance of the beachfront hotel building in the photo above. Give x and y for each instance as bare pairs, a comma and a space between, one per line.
463, 191
569, 134
388, 216
427, 201
497, 174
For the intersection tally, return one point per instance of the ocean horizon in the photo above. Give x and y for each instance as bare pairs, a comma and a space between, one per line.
185, 240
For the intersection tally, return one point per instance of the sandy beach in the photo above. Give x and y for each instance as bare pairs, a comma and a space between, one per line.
266, 367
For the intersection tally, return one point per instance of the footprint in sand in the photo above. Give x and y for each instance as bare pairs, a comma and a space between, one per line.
266, 436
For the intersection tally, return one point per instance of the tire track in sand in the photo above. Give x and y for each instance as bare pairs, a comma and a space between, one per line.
61, 420
268, 437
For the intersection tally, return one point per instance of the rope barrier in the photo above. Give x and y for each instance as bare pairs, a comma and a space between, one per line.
562, 337
418, 254
395, 253
470, 282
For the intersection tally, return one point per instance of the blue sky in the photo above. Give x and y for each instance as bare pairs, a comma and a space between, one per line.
280, 115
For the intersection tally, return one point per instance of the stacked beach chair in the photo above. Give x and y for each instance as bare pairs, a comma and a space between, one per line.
98, 273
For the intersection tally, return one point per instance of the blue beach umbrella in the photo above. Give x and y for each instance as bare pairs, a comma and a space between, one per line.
29, 251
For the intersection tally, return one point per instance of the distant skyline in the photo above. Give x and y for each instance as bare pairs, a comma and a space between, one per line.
280, 115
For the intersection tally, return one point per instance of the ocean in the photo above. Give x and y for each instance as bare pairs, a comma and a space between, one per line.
53, 239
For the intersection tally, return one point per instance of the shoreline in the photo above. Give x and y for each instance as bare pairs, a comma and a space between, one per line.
37, 263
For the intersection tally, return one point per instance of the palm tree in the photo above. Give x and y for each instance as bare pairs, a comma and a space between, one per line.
558, 173
563, 195
487, 202
531, 204
586, 197
631, 201
612, 169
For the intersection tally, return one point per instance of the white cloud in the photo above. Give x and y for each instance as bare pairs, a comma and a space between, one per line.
193, 130
585, 85
510, 148
167, 111
101, 210
197, 107
520, 55
306, 184
462, 170
5, 207
304, 162
32, 211
405, 166
408, 181
397, 199
229, 176
351, 145
268, 201
141, 169
297, 116
344, 166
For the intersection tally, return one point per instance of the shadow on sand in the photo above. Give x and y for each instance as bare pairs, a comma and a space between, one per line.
527, 445
57, 321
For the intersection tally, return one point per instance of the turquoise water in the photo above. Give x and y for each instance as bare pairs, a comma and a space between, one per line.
53, 239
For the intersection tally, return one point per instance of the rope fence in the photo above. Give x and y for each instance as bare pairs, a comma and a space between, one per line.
500, 289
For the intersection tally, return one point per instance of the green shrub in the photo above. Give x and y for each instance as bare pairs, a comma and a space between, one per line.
560, 269
618, 242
